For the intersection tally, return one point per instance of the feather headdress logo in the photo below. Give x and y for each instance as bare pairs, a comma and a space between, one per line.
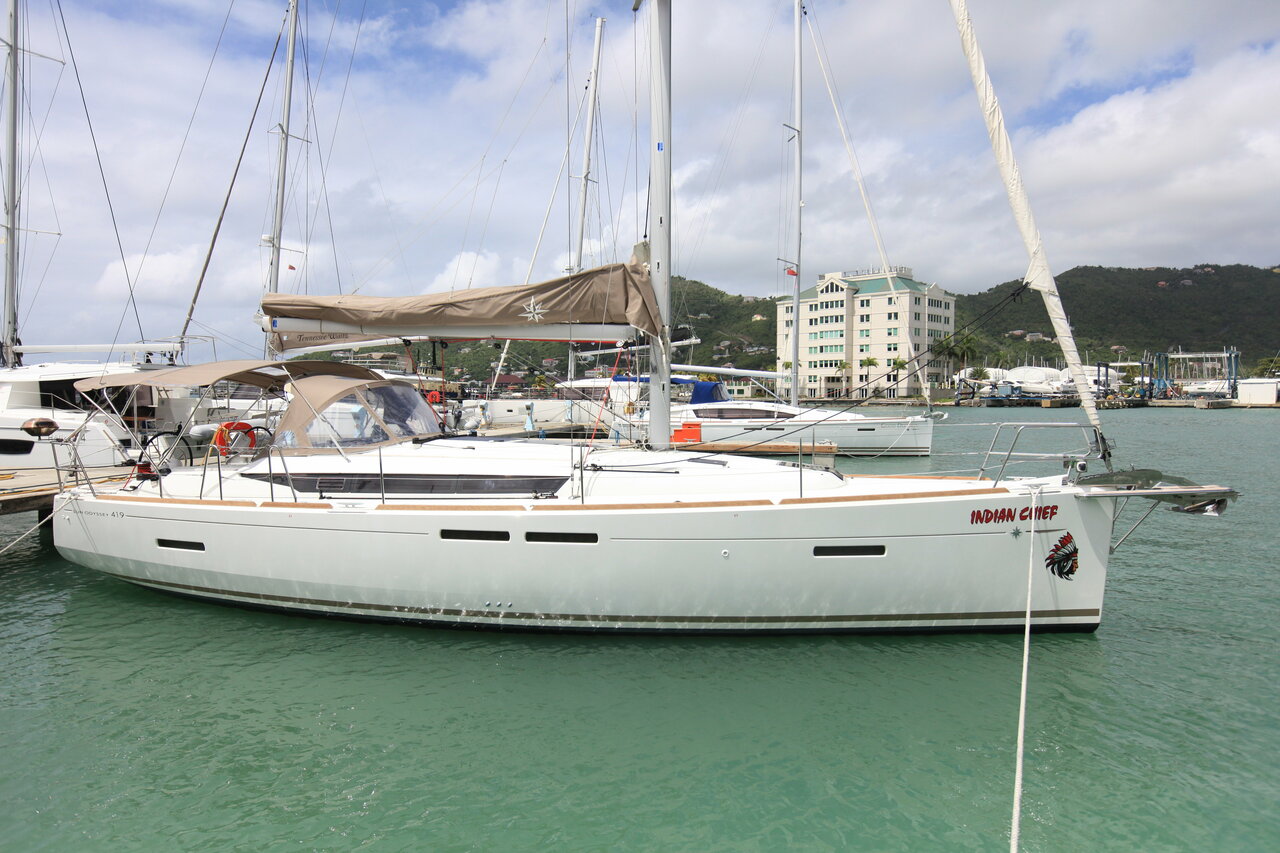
1064, 558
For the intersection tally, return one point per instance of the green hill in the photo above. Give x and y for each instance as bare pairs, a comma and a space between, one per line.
1205, 308
724, 324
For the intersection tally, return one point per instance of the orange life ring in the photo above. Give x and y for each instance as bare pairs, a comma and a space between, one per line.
433, 396
222, 435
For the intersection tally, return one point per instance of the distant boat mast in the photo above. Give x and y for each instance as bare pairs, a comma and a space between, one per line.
282, 167
12, 87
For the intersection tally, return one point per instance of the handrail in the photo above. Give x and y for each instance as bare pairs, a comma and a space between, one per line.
1097, 447
271, 477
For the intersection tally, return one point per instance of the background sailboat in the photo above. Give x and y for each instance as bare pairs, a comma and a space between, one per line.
39, 407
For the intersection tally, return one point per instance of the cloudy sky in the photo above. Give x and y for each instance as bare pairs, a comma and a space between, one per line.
432, 137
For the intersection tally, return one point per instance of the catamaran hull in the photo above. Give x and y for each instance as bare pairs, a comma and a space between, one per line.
797, 566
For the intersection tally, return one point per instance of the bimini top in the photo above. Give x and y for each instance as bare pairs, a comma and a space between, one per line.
270, 375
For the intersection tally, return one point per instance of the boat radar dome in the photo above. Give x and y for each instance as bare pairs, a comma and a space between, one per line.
40, 427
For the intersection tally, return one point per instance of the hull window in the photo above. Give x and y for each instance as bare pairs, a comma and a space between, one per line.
848, 551
477, 535
180, 544
16, 447
585, 538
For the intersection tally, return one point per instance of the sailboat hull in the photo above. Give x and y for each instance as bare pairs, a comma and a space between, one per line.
751, 566
863, 437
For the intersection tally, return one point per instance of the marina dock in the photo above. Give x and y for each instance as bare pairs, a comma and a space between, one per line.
32, 489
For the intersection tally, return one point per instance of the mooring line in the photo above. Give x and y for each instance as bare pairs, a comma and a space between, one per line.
1022, 697
28, 533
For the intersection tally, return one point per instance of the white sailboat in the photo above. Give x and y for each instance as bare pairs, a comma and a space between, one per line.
40, 411
711, 416
363, 507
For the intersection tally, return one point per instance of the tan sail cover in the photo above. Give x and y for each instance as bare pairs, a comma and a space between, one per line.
617, 294
261, 374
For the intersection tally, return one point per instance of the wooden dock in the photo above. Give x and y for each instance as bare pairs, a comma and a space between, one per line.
1121, 402
32, 489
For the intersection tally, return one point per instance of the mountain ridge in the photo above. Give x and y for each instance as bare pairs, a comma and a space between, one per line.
1230, 305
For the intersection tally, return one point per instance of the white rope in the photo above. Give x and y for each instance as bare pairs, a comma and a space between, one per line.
1022, 697
28, 533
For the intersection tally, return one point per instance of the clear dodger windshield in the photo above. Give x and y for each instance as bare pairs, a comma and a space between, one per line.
365, 416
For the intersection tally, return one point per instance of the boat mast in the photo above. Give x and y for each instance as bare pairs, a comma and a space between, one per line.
587, 143
1039, 277
797, 118
10, 342
660, 219
282, 166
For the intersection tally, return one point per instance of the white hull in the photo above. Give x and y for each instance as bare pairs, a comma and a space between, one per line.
851, 433
517, 412
867, 436
96, 445
869, 555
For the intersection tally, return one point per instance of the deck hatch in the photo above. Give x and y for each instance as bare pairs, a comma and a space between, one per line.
180, 544
848, 550
477, 535
583, 538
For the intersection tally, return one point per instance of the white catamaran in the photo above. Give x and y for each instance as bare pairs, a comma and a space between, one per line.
362, 506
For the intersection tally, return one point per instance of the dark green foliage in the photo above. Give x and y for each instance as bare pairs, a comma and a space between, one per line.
728, 319
1224, 306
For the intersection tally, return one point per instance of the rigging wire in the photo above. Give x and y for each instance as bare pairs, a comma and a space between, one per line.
253, 350
313, 121
484, 229
226, 201
488, 147
732, 133
324, 163
102, 174
820, 49
37, 136
568, 124
173, 173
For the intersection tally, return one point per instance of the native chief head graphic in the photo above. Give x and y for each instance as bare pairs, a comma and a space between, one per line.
1064, 559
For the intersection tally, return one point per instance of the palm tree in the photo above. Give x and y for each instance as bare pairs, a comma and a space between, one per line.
952, 348
845, 368
869, 361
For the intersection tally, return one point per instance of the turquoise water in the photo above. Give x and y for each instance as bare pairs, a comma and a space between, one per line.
137, 721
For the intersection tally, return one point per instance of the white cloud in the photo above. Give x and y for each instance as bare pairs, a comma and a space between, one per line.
1145, 131
471, 269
